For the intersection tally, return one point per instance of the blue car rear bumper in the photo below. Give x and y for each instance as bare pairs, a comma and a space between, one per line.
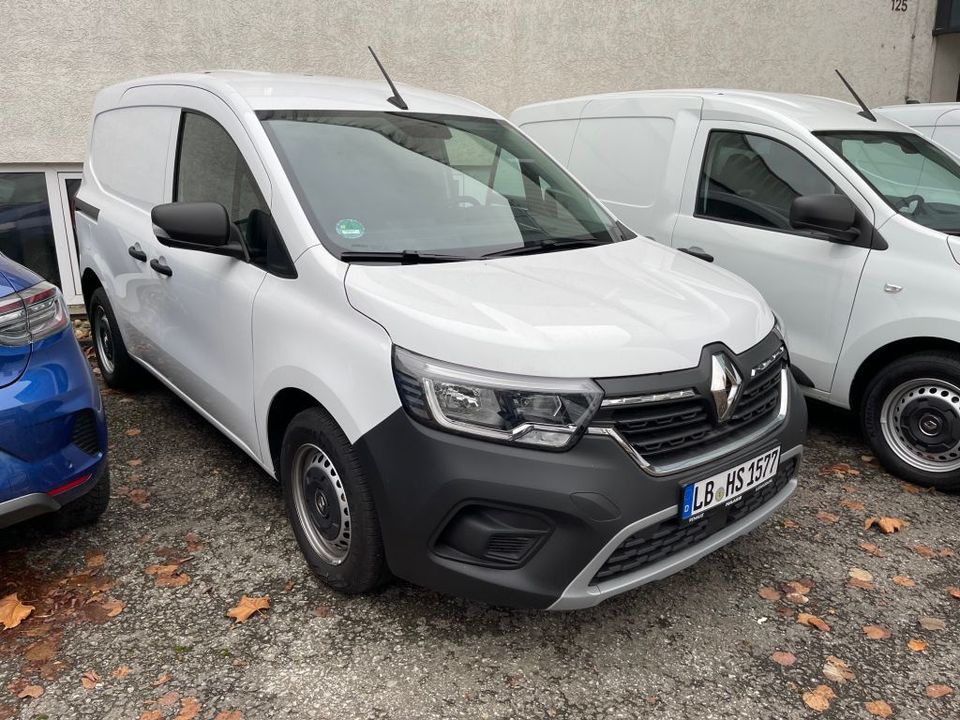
53, 435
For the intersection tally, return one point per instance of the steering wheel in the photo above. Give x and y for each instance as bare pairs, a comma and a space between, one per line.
466, 201
902, 204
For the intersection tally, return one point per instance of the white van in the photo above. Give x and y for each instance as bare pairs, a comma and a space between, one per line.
459, 366
938, 121
848, 226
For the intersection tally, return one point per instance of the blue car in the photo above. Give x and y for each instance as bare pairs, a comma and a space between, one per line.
53, 434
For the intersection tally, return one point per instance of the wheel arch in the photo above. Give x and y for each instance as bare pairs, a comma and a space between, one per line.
89, 282
285, 405
887, 354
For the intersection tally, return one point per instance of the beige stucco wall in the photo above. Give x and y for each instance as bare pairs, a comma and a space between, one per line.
504, 53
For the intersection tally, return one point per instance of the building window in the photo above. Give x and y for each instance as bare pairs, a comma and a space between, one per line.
26, 225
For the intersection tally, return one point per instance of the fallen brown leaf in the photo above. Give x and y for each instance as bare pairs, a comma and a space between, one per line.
840, 469
924, 551
138, 495
229, 715
887, 525
189, 709
136, 462
938, 691
871, 548
796, 598
837, 670
912, 489
860, 574
247, 607
151, 715
931, 623
132, 432
769, 593
788, 523
30, 691
860, 584
168, 698
121, 672
90, 679
878, 708
813, 621
163, 680
819, 698
826, 517
954, 592
13, 612
854, 505
96, 559
917, 645
876, 632
868, 458
168, 576
784, 658
796, 586
904, 581
194, 543
322, 611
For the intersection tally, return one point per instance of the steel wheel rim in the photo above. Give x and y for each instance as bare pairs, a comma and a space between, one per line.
920, 422
321, 504
104, 338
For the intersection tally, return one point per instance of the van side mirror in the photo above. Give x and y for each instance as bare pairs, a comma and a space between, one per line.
201, 226
833, 215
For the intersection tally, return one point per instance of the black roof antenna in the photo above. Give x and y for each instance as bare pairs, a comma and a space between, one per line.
866, 112
395, 99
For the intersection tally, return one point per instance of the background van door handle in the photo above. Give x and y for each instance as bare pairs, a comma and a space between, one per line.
136, 253
161, 268
697, 252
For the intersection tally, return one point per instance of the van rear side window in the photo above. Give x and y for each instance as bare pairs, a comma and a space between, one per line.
128, 152
622, 159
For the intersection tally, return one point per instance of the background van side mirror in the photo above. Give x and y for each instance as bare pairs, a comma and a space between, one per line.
833, 215
201, 226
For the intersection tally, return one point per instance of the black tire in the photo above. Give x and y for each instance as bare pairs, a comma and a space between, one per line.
86, 509
902, 384
117, 368
363, 567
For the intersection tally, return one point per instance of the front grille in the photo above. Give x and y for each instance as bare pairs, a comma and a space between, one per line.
85, 432
665, 432
657, 542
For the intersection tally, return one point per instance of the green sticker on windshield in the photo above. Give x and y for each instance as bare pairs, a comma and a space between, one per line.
350, 228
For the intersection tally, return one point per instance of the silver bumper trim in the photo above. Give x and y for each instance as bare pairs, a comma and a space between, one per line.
703, 458
581, 594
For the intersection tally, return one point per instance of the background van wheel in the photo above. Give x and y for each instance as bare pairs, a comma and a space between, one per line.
117, 368
86, 509
330, 505
911, 415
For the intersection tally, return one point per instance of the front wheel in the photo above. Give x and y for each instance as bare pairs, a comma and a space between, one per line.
911, 415
330, 504
117, 368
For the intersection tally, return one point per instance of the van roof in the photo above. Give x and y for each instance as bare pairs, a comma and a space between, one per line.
808, 111
289, 91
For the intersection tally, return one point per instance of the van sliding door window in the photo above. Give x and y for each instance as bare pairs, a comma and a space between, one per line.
210, 168
753, 180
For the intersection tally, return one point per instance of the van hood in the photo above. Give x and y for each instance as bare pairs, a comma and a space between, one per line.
628, 308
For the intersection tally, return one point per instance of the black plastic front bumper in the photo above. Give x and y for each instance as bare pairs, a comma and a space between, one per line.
578, 501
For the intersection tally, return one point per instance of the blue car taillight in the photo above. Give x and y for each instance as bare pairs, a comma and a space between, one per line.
32, 315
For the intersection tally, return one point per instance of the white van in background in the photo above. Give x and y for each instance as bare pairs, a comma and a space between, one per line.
938, 121
847, 223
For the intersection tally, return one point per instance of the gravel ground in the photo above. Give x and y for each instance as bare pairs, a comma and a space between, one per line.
698, 645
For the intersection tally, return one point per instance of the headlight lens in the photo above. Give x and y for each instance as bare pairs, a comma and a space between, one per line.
541, 412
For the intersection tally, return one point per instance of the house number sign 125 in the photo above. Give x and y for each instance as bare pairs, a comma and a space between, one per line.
899, 5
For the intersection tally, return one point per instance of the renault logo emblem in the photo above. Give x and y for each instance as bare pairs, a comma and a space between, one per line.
725, 385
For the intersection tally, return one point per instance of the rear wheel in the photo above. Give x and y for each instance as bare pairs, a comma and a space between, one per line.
911, 415
117, 368
330, 505
86, 509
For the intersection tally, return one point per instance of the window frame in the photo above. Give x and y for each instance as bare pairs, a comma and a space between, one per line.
286, 268
863, 240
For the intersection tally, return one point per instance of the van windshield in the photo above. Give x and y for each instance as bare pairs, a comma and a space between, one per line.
915, 177
443, 185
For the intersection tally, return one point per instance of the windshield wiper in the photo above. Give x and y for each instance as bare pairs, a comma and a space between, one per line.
548, 246
402, 257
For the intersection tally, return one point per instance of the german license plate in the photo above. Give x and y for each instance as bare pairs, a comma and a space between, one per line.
722, 488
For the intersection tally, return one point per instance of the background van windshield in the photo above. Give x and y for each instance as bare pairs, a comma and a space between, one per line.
465, 186
916, 178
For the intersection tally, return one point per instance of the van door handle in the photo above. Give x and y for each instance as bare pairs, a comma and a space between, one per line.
697, 252
161, 268
136, 253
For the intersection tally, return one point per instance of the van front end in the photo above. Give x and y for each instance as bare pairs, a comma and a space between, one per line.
668, 468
